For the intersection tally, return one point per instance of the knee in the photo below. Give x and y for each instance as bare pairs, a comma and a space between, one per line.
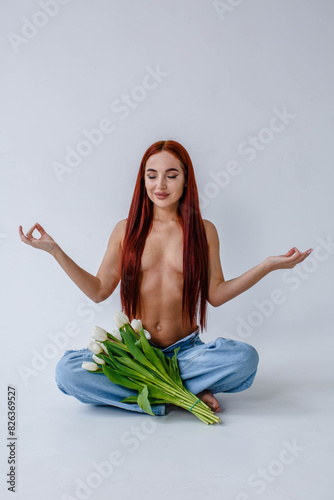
61, 372
249, 357
65, 371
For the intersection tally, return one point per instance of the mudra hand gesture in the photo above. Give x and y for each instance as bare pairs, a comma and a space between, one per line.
45, 242
288, 260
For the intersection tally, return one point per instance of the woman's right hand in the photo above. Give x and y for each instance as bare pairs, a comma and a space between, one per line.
45, 242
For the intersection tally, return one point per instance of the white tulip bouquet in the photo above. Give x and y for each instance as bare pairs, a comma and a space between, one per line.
127, 358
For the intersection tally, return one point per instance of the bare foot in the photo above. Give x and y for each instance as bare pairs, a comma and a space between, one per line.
209, 399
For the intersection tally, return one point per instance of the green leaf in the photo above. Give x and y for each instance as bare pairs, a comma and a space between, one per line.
154, 401
127, 372
114, 349
174, 364
119, 343
133, 399
129, 330
167, 362
151, 354
138, 374
105, 358
137, 368
116, 378
157, 393
129, 399
143, 401
136, 353
109, 360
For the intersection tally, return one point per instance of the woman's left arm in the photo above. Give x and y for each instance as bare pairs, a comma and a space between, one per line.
221, 291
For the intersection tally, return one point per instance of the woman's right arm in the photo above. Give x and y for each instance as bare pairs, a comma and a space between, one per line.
97, 288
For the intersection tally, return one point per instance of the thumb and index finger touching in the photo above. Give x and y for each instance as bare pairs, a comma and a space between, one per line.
294, 253
28, 234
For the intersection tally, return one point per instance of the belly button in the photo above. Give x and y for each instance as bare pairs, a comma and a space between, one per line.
158, 327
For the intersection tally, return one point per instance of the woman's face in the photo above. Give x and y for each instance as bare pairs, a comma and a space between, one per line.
164, 174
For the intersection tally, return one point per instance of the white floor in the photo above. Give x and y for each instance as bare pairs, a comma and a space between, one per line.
275, 440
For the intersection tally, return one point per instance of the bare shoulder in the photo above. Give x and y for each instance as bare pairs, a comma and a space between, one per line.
122, 224
211, 231
120, 230
208, 223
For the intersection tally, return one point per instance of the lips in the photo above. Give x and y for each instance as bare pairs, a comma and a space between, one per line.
161, 195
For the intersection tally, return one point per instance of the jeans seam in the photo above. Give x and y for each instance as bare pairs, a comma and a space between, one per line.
192, 359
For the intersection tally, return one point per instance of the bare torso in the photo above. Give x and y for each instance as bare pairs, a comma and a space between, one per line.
161, 284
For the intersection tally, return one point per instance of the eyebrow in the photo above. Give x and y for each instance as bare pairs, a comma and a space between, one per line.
169, 170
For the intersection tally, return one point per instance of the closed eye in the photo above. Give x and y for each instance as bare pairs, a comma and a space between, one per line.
169, 177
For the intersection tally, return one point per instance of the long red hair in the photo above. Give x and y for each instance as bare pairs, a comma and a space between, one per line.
195, 246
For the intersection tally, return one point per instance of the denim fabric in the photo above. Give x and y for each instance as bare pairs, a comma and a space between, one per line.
222, 365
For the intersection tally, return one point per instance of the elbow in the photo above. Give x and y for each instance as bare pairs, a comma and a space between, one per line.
212, 298
96, 299
98, 293
216, 301
216, 296
101, 296
212, 302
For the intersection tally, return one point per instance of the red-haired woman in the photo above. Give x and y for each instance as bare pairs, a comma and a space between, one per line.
167, 259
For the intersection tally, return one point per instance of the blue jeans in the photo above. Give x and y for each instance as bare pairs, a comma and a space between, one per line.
223, 365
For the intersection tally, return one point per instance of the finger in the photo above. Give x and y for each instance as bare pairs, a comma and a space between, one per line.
30, 230
40, 228
23, 236
290, 252
302, 256
306, 254
293, 255
21, 232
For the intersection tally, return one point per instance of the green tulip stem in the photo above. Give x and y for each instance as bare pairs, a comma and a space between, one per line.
186, 399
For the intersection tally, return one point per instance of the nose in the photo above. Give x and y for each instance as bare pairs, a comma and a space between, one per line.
161, 185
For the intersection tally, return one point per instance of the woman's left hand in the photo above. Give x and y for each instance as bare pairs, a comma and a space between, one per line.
288, 260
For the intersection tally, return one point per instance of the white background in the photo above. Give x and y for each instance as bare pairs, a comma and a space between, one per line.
228, 71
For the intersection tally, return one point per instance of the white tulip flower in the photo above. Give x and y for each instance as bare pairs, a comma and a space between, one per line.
98, 360
95, 347
136, 325
120, 319
104, 348
117, 335
91, 367
147, 334
99, 334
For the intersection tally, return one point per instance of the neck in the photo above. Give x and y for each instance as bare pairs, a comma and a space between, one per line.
165, 220
165, 216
